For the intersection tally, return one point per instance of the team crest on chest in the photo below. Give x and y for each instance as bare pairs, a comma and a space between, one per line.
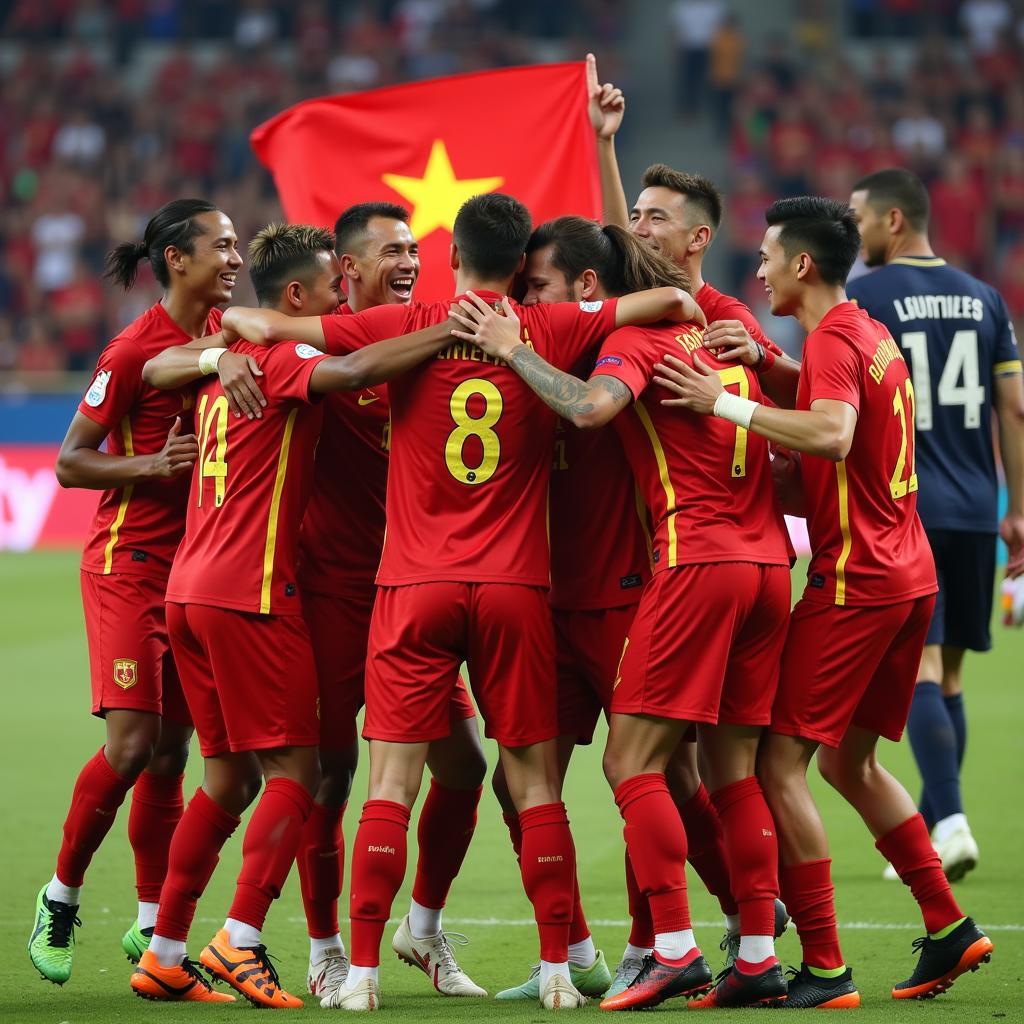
126, 672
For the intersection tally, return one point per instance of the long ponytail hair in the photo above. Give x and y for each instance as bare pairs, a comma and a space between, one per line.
173, 224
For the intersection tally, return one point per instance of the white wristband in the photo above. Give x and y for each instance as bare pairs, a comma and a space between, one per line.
735, 409
209, 358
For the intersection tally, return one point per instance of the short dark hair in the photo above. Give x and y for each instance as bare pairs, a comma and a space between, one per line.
350, 227
700, 191
173, 224
825, 228
621, 261
899, 188
491, 232
280, 253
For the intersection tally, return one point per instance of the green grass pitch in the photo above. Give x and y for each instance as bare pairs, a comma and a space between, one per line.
50, 734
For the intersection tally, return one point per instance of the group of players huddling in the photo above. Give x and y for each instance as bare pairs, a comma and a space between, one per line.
664, 602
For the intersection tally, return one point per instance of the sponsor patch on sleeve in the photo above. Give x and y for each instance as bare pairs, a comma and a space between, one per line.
97, 389
608, 361
307, 351
592, 307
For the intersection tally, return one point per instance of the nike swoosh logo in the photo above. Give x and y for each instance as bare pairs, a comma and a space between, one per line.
368, 401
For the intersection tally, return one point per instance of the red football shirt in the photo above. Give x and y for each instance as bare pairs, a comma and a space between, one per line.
706, 482
600, 543
868, 545
717, 306
137, 528
470, 445
249, 490
343, 528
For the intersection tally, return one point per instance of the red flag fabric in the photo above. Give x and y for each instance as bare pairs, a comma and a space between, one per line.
432, 145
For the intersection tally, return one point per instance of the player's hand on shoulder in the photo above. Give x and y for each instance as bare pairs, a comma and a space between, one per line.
730, 341
605, 103
497, 333
178, 454
694, 387
238, 375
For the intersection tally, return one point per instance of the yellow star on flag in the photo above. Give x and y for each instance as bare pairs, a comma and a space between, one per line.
437, 196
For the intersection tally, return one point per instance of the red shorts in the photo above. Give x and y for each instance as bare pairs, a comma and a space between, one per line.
249, 679
130, 663
588, 649
422, 632
339, 626
850, 665
705, 644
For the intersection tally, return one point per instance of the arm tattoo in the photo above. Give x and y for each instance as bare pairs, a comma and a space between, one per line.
566, 394
615, 387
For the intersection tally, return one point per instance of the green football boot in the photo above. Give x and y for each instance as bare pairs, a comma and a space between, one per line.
136, 941
589, 981
51, 946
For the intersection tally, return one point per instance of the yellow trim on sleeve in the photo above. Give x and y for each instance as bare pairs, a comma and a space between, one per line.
670, 495
1007, 368
919, 261
275, 508
126, 496
844, 529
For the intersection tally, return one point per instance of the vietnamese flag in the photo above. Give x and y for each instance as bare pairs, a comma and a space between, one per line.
432, 145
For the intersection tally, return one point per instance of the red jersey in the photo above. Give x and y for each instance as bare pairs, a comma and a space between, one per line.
717, 306
350, 480
707, 482
470, 445
249, 490
600, 543
137, 528
868, 545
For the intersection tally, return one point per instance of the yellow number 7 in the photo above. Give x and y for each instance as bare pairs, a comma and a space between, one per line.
737, 375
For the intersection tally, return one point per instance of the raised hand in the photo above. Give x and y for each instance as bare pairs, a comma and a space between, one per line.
605, 103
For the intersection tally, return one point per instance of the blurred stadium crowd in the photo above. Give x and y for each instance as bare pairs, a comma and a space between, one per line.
109, 109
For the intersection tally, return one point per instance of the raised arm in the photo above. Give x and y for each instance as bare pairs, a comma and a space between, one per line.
606, 105
81, 464
584, 403
826, 429
1009, 403
267, 326
654, 304
381, 361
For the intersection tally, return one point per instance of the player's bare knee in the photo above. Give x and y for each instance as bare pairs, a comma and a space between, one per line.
129, 754
500, 789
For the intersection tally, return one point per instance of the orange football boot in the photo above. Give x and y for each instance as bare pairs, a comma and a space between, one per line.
248, 971
183, 984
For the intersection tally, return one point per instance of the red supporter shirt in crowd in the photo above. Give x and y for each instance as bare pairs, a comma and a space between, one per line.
868, 545
343, 528
470, 445
249, 490
137, 528
717, 306
707, 483
600, 545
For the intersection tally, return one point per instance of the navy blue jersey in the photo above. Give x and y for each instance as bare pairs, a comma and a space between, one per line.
956, 334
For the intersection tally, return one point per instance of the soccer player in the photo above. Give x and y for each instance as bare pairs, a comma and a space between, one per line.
379, 262
856, 635
463, 576
143, 474
599, 564
232, 588
678, 215
719, 553
957, 337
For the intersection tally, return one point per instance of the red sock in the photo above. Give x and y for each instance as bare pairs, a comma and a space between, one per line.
446, 827
515, 833
157, 806
98, 793
641, 932
656, 842
753, 850
378, 867
193, 854
549, 871
706, 848
321, 864
910, 851
271, 841
808, 895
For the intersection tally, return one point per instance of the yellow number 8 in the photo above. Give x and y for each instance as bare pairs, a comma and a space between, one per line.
467, 426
